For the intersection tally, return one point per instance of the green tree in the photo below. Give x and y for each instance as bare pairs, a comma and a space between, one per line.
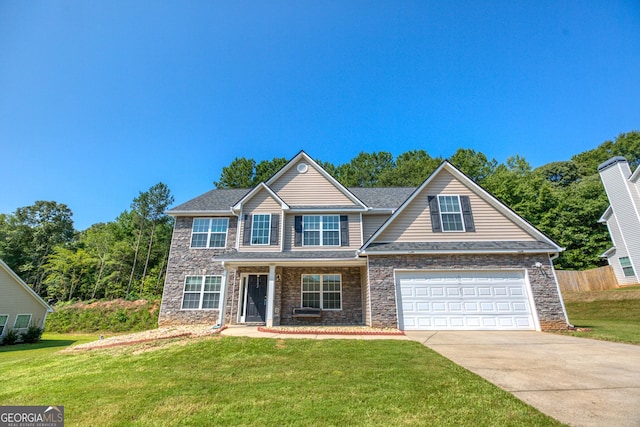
474, 164
365, 169
239, 174
411, 169
266, 169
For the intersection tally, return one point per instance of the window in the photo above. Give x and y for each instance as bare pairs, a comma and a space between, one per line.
450, 213
209, 232
322, 291
22, 321
3, 322
260, 229
201, 292
321, 230
627, 268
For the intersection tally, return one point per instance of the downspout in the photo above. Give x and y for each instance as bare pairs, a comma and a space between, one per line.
223, 296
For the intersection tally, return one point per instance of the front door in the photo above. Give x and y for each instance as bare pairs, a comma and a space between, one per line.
256, 298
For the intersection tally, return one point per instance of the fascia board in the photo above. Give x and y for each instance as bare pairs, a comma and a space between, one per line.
606, 215
255, 191
459, 252
201, 213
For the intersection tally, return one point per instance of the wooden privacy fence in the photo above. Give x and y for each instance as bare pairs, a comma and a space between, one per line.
596, 279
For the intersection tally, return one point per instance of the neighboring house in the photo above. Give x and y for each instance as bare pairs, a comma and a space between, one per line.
301, 249
20, 306
622, 218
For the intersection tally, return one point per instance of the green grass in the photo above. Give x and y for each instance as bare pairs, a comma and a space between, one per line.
612, 315
243, 381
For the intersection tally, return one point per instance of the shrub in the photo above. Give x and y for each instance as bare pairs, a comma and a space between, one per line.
32, 335
10, 337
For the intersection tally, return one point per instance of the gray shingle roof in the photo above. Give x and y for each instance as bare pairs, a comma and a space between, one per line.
222, 199
511, 246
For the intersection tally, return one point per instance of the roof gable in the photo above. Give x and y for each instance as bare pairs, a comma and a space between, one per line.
493, 220
304, 183
22, 284
258, 195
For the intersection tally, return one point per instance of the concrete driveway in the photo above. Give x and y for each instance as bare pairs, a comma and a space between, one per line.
578, 381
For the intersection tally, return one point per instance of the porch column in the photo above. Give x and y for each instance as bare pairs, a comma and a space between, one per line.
223, 295
271, 290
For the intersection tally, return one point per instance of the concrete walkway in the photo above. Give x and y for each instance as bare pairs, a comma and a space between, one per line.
581, 382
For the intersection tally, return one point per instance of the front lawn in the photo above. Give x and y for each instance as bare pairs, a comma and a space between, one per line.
244, 381
612, 315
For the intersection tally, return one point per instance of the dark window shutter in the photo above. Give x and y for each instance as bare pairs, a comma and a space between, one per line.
247, 230
344, 230
435, 214
298, 231
466, 214
275, 224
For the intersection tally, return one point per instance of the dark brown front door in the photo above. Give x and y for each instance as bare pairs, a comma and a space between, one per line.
256, 298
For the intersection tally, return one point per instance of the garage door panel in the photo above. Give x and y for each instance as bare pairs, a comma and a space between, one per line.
464, 300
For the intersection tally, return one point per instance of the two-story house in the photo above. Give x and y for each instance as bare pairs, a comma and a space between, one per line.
622, 218
301, 249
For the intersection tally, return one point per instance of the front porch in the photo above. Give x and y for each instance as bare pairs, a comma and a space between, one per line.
269, 295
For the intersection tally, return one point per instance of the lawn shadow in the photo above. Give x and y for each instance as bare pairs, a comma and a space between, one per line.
38, 345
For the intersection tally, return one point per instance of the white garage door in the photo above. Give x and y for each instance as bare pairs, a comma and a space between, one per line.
463, 300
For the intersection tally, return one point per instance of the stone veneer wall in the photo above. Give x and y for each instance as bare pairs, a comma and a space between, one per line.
543, 283
351, 313
184, 261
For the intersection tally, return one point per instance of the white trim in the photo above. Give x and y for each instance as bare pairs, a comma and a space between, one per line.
441, 213
452, 251
4, 327
253, 222
271, 287
21, 282
322, 230
555, 279
209, 233
22, 314
223, 295
321, 275
201, 292
482, 193
210, 213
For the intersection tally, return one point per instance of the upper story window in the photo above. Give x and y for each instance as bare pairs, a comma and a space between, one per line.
209, 232
627, 268
260, 229
321, 230
450, 213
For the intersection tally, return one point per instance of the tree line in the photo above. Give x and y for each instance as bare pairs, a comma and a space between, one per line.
563, 199
124, 258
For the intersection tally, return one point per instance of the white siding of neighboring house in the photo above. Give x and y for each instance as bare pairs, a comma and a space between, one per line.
624, 198
620, 251
413, 224
15, 299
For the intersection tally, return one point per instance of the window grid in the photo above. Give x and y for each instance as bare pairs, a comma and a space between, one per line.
22, 321
260, 229
3, 322
322, 291
321, 230
450, 213
627, 268
201, 292
209, 232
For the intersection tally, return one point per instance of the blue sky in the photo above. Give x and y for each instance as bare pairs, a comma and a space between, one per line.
101, 100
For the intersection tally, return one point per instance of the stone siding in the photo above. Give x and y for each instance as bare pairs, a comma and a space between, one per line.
351, 313
543, 284
184, 261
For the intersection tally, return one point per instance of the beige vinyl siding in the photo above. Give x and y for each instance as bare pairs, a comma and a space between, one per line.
308, 189
371, 224
413, 224
354, 234
261, 203
17, 300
